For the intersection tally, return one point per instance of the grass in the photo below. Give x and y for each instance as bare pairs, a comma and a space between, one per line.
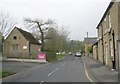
52, 56
4, 74
61, 56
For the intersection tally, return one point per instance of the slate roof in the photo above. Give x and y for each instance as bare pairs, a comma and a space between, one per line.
28, 36
90, 40
108, 8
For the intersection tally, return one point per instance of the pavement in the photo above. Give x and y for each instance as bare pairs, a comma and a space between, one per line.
100, 72
24, 60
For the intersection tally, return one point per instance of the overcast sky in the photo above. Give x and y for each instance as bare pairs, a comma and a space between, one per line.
79, 16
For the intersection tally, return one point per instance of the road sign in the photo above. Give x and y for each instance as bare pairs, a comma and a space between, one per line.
42, 57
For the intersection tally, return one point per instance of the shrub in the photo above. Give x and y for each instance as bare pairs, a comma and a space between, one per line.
90, 49
51, 56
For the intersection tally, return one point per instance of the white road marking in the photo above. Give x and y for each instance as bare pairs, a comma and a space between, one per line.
52, 72
86, 72
55, 70
62, 65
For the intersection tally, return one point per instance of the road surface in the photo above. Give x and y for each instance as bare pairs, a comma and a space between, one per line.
71, 69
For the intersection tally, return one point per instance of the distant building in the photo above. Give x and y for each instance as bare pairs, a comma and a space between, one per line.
95, 50
88, 42
109, 36
21, 44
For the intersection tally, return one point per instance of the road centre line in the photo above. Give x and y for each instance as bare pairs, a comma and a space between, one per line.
86, 72
55, 70
62, 65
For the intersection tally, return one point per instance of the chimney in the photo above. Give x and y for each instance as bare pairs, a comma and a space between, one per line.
87, 34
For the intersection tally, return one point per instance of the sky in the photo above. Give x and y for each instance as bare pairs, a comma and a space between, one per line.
78, 16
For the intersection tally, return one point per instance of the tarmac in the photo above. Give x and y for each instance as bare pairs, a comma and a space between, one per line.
101, 72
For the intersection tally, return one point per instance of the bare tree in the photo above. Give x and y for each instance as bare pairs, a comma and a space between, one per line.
42, 25
58, 41
6, 23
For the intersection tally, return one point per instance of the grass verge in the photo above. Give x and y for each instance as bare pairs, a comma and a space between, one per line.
4, 74
61, 56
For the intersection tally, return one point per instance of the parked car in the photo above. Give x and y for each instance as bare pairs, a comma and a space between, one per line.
78, 54
70, 53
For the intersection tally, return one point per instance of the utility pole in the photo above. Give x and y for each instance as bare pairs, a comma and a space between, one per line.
114, 58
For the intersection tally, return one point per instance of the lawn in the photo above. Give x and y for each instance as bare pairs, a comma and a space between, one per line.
4, 74
61, 56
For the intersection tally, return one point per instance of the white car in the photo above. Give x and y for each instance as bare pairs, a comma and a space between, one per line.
78, 54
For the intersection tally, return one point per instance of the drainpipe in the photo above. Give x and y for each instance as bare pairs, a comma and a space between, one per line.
29, 51
114, 58
102, 45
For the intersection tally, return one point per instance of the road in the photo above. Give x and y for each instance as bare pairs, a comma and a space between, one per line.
15, 67
71, 69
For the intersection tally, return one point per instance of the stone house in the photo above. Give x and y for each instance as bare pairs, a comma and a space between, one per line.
88, 42
109, 35
21, 44
95, 51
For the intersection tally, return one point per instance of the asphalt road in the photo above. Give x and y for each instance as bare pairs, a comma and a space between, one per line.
16, 67
71, 69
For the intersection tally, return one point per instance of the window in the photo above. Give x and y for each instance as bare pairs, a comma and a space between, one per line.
14, 37
109, 21
15, 46
111, 48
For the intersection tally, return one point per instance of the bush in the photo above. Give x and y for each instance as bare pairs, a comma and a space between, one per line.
90, 49
51, 56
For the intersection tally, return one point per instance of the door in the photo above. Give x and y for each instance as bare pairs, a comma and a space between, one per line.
119, 60
106, 55
119, 53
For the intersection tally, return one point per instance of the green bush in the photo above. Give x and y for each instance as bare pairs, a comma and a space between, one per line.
90, 49
51, 56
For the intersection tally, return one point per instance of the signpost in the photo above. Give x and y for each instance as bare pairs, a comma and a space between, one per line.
42, 57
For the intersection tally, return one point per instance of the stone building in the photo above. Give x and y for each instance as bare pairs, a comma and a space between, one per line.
95, 51
109, 36
88, 42
21, 44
